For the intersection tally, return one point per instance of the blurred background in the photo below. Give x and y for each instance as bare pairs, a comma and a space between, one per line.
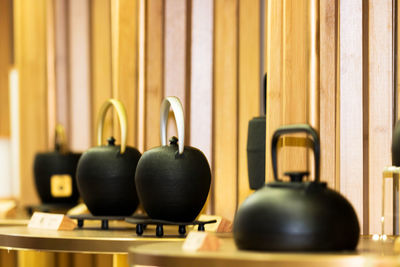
330, 63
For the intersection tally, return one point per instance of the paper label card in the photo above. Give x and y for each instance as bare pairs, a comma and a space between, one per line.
201, 241
50, 221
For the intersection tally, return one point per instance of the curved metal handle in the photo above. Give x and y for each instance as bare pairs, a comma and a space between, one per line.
122, 121
60, 140
295, 128
177, 109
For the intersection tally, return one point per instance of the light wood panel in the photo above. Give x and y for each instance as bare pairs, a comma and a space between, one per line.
124, 25
79, 70
61, 63
51, 73
30, 49
351, 105
380, 87
5, 66
154, 74
296, 75
201, 80
249, 84
176, 69
101, 81
274, 61
225, 125
327, 89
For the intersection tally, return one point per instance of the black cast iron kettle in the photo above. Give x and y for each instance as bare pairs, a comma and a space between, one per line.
106, 174
55, 172
173, 180
296, 215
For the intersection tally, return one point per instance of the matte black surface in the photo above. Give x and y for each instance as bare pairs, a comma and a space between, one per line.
296, 216
106, 180
51, 163
256, 152
171, 186
396, 145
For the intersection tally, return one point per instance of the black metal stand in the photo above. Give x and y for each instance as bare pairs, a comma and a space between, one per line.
142, 223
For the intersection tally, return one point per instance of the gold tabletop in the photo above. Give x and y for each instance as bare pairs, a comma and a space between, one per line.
369, 253
116, 240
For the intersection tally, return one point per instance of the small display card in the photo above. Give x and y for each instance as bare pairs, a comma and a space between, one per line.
51, 221
201, 241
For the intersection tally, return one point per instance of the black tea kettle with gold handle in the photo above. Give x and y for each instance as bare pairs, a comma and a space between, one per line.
296, 215
106, 173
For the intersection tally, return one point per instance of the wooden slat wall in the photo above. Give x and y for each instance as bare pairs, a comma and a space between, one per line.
101, 83
380, 95
328, 77
79, 71
125, 63
5, 66
274, 75
154, 74
351, 104
176, 69
249, 84
30, 55
225, 125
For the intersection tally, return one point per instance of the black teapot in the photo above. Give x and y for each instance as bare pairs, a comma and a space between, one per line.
173, 180
106, 174
296, 215
256, 146
54, 172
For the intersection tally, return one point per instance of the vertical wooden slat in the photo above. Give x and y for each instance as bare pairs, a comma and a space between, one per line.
201, 80
380, 104
79, 70
351, 104
101, 85
154, 75
175, 64
225, 127
51, 73
30, 48
125, 64
328, 48
5, 65
274, 75
61, 62
249, 84
296, 69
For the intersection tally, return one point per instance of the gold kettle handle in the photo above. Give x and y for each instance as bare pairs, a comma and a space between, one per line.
119, 107
60, 140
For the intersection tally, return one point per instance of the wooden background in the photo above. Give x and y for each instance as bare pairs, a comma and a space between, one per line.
329, 63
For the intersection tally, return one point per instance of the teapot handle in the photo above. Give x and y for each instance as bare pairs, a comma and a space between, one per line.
177, 109
122, 121
295, 128
60, 142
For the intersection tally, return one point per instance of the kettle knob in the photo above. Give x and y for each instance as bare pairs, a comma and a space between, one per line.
296, 176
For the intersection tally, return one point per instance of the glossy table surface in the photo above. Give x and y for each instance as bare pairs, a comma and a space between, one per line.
368, 253
90, 239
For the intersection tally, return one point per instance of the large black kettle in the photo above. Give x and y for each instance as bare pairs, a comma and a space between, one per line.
296, 215
106, 174
54, 172
173, 180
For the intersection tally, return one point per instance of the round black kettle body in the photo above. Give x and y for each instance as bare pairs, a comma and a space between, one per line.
105, 174
296, 215
54, 172
173, 180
